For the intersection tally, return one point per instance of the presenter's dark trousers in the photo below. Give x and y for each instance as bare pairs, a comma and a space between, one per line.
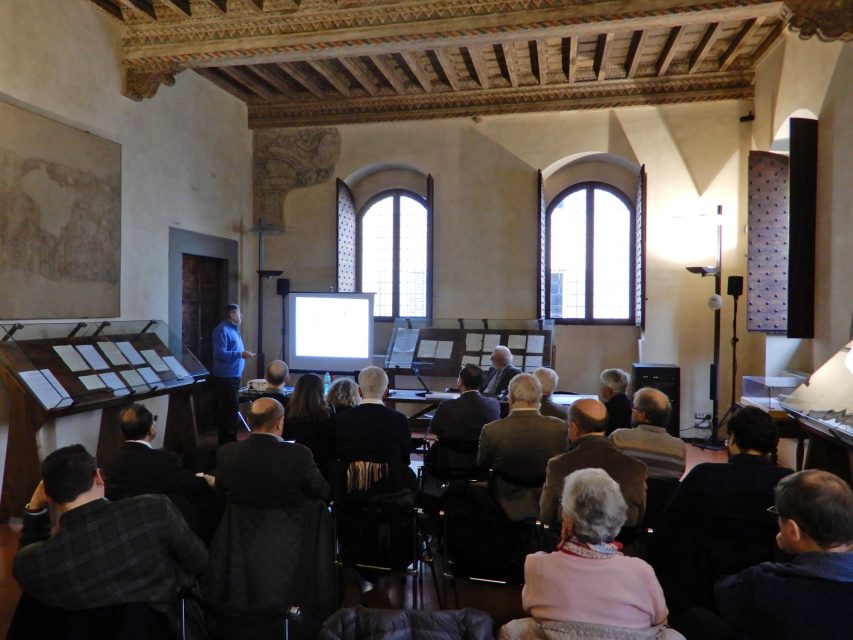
226, 393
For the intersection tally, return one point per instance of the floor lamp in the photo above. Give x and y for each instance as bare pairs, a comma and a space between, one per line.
716, 303
263, 274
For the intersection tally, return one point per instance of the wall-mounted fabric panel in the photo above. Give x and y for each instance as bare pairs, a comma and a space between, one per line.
767, 252
346, 239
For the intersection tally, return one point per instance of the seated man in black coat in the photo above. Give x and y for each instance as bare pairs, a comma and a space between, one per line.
614, 395
461, 420
371, 431
265, 471
137, 468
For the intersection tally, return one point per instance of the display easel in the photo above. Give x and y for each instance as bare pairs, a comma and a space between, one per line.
42, 387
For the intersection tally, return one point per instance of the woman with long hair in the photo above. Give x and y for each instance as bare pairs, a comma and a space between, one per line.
308, 419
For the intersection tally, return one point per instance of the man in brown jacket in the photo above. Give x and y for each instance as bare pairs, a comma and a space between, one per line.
590, 448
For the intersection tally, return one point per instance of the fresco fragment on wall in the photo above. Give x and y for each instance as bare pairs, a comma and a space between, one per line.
60, 219
286, 159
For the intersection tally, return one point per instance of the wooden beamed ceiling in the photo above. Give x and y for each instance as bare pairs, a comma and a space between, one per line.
322, 62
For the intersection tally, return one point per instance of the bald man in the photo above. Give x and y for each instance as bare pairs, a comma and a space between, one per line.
647, 440
496, 380
264, 471
590, 448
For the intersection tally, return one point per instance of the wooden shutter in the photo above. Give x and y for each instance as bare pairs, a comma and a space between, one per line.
542, 268
430, 216
767, 238
640, 251
346, 239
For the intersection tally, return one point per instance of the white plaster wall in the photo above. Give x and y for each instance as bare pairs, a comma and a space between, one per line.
486, 225
817, 77
186, 154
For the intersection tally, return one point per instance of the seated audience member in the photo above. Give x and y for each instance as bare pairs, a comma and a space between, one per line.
496, 380
614, 394
464, 417
665, 456
276, 375
308, 420
716, 523
137, 550
461, 420
590, 448
265, 471
342, 395
587, 580
549, 379
519, 447
137, 468
807, 597
371, 431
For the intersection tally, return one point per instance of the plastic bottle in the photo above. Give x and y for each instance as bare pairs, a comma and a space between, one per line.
327, 381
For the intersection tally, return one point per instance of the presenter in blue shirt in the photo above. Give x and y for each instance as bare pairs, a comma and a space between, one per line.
228, 361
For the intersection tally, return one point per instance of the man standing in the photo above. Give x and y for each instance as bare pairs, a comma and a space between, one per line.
264, 471
138, 550
590, 448
228, 357
519, 446
371, 431
665, 456
614, 394
500, 373
549, 379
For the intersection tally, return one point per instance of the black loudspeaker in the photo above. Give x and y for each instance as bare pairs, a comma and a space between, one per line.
666, 378
282, 286
735, 286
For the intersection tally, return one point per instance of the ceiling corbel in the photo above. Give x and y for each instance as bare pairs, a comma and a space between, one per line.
140, 85
828, 20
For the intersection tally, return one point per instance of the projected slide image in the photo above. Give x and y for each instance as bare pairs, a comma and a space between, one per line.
332, 327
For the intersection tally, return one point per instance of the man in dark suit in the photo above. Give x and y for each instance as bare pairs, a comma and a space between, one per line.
464, 417
459, 422
265, 471
519, 447
549, 379
371, 431
137, 468
500, 373
590, 448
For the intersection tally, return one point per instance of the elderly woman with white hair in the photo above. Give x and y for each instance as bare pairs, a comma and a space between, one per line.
587, 588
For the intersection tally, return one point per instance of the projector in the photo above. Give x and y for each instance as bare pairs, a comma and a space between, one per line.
258, 385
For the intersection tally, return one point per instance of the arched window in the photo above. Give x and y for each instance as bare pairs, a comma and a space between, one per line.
393, 253
590, 256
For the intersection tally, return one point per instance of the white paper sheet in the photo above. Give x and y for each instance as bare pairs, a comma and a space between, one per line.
70, 357
149, 376
153, 358
490, 341
517, 342
535, 344
403, 351
441, 395
47, 373
92, 382
486, 361
91, 355
176, 367
471, 360
115, 383
42, 389
518, 361
132, 378
444, 349
113, 354
130, 353
533, 362
427, 349
473, 342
